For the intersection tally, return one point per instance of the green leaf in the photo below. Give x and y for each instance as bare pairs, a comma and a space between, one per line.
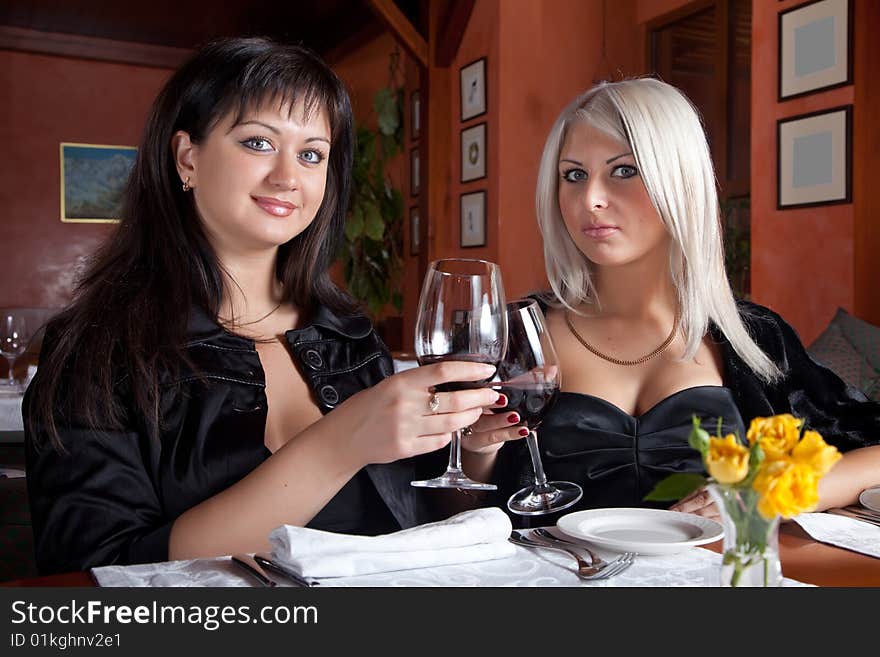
676, 486
385, 104
354, 227
374, 225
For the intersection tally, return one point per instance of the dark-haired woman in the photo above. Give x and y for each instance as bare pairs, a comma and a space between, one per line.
181, 407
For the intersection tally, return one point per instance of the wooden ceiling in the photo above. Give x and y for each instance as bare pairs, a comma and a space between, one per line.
323, 25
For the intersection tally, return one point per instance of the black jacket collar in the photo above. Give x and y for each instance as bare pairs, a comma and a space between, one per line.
201, 327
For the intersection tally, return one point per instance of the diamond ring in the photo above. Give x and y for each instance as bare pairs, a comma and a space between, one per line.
434, 403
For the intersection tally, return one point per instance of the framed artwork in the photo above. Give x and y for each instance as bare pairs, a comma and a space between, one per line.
93, 179
473, 219
414, 230
815, 47
473, 89
473, 153
815, 158
414, 172
414, 115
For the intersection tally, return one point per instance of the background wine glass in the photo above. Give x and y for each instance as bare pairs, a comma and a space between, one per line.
14, 340
461, 317
531, 378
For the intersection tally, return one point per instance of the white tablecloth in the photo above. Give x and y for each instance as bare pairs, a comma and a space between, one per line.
693, 567
10, 413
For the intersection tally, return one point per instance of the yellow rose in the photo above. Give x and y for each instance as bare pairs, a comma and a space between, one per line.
778, 434
727, 461
786, 488
814, 452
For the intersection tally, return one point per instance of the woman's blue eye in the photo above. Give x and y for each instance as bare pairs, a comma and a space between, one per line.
624, 171
257, 144
312, 156
574, 175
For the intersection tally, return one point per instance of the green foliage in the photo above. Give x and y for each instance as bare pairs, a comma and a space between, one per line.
372, 249
676, 486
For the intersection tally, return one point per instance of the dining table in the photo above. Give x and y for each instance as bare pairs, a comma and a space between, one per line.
804, 560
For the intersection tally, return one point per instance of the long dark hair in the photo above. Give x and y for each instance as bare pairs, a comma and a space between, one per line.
128, 320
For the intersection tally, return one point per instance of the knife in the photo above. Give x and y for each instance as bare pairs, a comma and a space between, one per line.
270, 564
252, 568
856, 516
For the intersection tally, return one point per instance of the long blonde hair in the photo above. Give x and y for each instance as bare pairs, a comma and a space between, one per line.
669, 146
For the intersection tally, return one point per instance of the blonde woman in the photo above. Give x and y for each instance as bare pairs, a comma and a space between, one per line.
644, 320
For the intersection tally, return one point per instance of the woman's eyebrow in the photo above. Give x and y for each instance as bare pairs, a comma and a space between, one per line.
580, 164
268, 127
617, 157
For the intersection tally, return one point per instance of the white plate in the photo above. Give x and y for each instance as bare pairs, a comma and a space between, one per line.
646, 531
870, 498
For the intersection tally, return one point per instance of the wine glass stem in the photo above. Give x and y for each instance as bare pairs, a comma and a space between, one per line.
11, 377
455, 453
540, 477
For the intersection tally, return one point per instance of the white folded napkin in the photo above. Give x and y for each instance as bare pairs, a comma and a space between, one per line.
477, 535
841, 531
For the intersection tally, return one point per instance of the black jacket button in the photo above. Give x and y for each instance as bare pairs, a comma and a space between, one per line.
313, 359
329, 395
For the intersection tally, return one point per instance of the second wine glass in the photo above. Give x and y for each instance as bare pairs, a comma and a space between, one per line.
531, 378
461, 317
13, 343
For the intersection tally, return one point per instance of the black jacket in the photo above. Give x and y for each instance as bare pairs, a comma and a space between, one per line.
113, 497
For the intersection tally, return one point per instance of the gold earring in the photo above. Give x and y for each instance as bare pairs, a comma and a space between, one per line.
186, 186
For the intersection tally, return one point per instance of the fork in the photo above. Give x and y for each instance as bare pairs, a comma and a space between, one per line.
585, 571
552, 538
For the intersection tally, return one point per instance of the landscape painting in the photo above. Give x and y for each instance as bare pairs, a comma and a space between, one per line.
93, 179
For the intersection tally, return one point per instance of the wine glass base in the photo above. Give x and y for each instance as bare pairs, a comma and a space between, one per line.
453, 480
529, 502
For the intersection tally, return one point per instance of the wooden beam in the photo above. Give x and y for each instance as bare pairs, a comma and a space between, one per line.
452, 31
84, 47
401, 28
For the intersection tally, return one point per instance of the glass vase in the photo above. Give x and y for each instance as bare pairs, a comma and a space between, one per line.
751, 542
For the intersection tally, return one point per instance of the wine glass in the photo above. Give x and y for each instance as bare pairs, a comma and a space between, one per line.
461, 317
530, 377
13, 342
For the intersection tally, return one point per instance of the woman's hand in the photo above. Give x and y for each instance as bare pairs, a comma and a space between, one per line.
492, 430
394, 419
699, 503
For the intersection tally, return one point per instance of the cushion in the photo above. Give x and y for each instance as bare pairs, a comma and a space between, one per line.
850, 347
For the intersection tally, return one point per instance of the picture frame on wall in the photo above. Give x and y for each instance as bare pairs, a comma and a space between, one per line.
414, 230
815, 47
93, 179
414, 172
814, 158
473, 89
414, 115
473, 153
473, 219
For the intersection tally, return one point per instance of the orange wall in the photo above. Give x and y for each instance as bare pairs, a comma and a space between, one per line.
802, 259
47, 100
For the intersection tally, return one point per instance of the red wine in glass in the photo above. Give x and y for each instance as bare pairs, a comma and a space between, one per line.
530, 400
530, 377
461, 317
452, 386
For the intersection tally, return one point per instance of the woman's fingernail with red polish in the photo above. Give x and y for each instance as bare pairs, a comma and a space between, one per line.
523, 432
513, 418
502, 400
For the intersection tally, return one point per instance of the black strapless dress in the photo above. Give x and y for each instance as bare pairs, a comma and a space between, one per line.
615, 457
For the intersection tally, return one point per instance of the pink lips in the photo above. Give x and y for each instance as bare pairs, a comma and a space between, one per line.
599, 231
274, 206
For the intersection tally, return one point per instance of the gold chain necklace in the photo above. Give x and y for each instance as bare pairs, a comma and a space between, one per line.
256, 321
618, 361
